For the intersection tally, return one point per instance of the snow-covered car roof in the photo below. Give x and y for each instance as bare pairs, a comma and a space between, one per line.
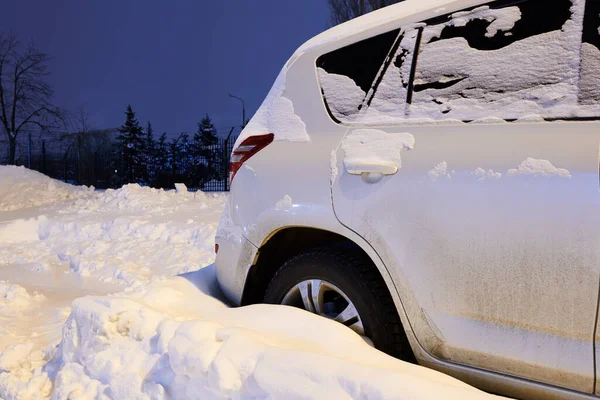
393, 13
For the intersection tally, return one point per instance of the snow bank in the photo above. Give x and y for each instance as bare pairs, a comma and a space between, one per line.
21, 188
136, 198
122, 236
79, 242
173, 339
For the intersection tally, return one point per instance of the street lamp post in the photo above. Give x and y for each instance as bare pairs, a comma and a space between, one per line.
243, 109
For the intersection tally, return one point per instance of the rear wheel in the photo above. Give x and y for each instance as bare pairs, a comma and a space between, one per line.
344, 287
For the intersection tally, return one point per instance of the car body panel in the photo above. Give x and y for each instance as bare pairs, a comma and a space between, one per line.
482, 265
501, 283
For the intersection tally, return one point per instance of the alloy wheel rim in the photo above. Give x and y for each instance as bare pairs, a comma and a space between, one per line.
325, 299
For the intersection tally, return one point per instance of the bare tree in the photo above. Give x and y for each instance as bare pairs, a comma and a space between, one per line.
79, 121
345, 10
24, 93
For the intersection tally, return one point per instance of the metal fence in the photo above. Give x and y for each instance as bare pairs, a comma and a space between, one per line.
90, 160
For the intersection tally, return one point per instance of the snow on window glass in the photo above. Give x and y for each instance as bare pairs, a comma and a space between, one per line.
388, 102
589, 84
505, 60
346, 75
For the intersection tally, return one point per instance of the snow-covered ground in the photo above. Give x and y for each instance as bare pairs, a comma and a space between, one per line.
112, 295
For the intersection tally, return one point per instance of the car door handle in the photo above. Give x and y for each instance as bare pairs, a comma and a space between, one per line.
371, 168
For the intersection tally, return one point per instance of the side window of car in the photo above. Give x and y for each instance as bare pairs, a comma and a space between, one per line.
508, 59
589, 83
388, 99
347, 75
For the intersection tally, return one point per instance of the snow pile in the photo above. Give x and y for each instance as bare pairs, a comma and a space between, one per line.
173, 339
21, 375
14, 298
122, 236
21, 188
136, 198
79, 242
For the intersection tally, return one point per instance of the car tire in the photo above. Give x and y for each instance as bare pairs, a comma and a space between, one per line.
359, 281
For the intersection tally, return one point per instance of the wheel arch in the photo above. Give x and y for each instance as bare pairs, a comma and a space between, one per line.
279, 247
290, 241
287, 242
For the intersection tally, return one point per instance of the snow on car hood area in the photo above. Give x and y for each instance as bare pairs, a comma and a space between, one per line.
112, 295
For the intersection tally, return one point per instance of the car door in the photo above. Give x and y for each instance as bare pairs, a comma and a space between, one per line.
472, 170
589, 91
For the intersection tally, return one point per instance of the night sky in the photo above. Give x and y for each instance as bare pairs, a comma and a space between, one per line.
173, 61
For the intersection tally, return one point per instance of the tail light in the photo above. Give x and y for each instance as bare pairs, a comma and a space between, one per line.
249, 147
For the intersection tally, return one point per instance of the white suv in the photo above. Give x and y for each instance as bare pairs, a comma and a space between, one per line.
428, 176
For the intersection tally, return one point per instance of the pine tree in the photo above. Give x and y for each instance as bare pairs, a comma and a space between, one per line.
184, 151
162, 163
206, 156
207, 134
150, 153
131, 141
176, 157
162, 153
